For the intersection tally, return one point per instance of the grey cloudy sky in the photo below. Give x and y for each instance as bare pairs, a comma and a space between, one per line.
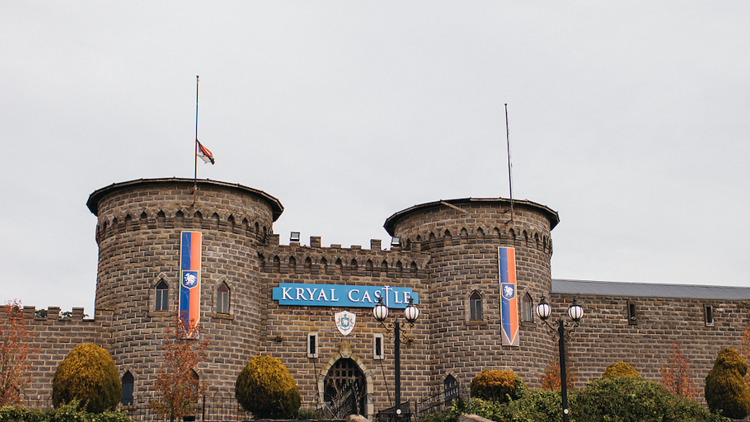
628, 118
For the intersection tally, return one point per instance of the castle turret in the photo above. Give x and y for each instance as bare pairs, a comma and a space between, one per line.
462, 237
138, 233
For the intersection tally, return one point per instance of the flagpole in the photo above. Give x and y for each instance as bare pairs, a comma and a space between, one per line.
510, 174
195, 156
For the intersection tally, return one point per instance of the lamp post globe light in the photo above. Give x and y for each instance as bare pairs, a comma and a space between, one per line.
411, 313
562, 331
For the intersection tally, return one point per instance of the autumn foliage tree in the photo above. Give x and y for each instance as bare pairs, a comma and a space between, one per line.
15, 353
676, 375
550, 379
175, 382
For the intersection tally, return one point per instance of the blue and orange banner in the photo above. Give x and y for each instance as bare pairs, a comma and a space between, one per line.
190, 280
509, 304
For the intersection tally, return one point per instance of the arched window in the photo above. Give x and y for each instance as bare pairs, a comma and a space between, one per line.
222, 299
196, 382
162, 297
527, 314
128, 382
475, 307
450, 390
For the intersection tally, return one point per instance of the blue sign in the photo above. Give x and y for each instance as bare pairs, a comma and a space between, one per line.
343, 296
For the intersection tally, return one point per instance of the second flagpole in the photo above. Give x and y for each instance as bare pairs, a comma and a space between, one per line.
195, 155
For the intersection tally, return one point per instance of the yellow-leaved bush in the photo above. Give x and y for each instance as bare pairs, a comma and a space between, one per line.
266, 388
497, 385
87, 374
620, 370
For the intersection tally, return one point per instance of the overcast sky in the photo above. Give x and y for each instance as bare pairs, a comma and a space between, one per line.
631, 119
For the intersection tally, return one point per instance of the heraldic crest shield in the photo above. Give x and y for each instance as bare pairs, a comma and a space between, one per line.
345, 322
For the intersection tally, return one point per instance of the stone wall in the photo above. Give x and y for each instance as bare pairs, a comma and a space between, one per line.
54, 337
606, 336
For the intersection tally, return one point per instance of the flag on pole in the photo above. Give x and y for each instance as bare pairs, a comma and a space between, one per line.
204, 154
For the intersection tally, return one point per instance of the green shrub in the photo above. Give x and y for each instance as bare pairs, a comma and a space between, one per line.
266, 388
633, 400
21, 414
725, 391
497, 385
620, 370
610, 400
87, 374
311, 414
70, 412
535, 406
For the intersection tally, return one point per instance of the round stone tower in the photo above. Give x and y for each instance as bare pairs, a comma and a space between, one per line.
138, 232
462, 237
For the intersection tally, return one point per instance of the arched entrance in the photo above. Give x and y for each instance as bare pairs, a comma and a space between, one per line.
345, 385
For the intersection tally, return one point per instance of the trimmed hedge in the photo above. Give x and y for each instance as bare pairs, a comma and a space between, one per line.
266, 388
726, 391
497, 385
620, 370
87, 374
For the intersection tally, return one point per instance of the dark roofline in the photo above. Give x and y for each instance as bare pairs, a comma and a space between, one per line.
391, 221
94, 198
622, 289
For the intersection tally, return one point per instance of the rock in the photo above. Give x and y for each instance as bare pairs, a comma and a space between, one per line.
472, 418
357, 418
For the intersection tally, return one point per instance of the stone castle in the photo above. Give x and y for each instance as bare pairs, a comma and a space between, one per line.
444, 251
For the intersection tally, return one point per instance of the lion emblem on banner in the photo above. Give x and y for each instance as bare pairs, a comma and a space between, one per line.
190, 279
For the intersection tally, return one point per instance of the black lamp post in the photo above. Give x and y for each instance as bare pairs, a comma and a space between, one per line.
562, 331
411, 313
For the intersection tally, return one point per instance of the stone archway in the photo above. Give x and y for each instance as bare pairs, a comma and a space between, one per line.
344, 371
345, 360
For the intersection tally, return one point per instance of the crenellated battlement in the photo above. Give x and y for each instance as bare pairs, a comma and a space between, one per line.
518, 235
354, 261
474, 221
53, 314
201, 218
157, 204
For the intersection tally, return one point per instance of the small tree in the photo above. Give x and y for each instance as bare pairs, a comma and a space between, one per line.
175, 383
550, 379
676, 375
15, 353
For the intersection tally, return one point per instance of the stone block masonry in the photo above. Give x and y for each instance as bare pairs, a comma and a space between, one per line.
447, 255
